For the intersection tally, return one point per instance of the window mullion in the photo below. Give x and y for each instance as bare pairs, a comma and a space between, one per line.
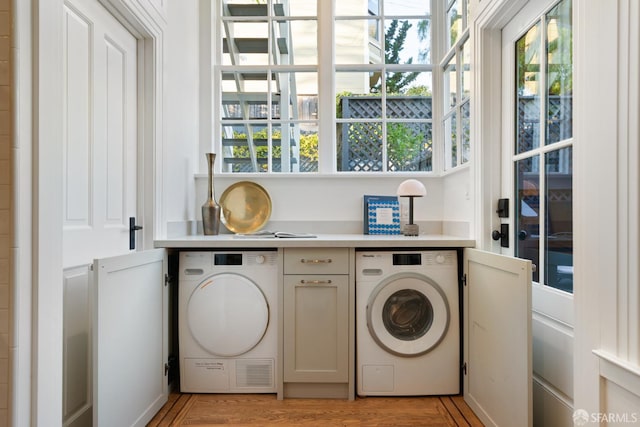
542, 181
326, 84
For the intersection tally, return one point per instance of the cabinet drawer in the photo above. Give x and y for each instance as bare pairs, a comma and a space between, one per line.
316, 261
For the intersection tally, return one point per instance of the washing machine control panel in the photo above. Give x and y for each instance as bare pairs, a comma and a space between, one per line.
376, 264
408, 258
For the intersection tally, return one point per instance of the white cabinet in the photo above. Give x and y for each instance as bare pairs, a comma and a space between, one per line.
318, 322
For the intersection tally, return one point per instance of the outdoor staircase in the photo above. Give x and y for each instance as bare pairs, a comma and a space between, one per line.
246, 112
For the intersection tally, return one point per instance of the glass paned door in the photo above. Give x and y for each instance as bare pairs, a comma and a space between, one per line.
542, 154
537, 176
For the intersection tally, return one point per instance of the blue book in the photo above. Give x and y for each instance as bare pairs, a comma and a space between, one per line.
381, 215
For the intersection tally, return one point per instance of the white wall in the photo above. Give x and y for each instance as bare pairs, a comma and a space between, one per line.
457, 201
607, 301
181, 114
304, 202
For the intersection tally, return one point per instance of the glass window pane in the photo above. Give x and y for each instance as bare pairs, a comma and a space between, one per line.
236, 142
353, 44
559, 73
249, 46
296, 96
250, 82
528, 90
299, 8
450, 86
409, 147
465, 124
250, 105
409, 83
468, 6
354, 8
395, 7
302, 47
406, 7
408, 107
527, 210
407, 41
454, 23
465, 75
359, 147
353, 98
450, 144
559, 220
307, 141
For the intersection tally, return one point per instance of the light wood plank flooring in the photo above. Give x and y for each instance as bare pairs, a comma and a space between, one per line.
265, 410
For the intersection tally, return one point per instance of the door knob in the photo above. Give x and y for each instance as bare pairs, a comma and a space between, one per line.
132, 232
502, 235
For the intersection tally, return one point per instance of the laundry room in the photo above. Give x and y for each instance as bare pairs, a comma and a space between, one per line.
368, 212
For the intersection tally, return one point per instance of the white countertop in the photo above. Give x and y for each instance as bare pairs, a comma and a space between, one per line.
322, 240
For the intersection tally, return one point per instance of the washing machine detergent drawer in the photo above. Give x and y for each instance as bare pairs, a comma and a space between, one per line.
228, 376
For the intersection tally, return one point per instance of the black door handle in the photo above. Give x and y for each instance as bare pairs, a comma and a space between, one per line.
502, 235
132, 232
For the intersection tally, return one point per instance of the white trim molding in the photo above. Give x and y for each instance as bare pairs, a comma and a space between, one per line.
619, 371
606, 160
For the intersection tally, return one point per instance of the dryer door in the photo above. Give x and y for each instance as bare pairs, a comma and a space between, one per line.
227, 314
408, 314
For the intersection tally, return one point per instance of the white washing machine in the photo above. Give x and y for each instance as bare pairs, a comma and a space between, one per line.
227, 321
407, 323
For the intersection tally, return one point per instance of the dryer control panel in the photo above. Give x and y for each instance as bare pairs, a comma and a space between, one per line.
198, 263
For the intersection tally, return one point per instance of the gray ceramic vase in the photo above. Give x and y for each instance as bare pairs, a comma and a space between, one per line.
211, 208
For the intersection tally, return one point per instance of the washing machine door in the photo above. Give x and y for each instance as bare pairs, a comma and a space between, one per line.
227, 314
408, 314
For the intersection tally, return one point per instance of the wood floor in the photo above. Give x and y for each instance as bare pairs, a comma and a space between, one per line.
264, 410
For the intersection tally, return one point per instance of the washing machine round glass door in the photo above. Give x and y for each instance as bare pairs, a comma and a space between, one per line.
407, 314
227, 314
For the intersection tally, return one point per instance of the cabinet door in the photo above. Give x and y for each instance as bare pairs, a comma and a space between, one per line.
497, 338
130, 338
316, 328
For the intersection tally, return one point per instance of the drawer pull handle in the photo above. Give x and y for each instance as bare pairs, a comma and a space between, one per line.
315, 282
316, 261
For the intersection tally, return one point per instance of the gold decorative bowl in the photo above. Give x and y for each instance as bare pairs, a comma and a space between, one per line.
246, 207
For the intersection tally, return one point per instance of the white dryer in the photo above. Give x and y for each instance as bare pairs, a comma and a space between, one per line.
227, 321
407, 323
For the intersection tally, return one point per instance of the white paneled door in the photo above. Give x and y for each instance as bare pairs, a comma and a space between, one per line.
100, 109
537, 175
100, 161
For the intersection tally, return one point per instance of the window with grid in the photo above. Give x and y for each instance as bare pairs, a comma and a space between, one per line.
269, 86
456, 72
542, 155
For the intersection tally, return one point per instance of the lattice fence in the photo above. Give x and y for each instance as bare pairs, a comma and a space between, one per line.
559, 121
409, 145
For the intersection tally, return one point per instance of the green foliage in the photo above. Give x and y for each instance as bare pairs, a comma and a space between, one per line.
394, 39
420, 90
404, 143
308, 146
